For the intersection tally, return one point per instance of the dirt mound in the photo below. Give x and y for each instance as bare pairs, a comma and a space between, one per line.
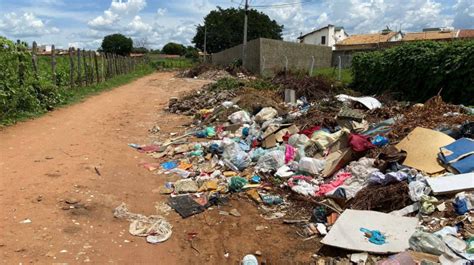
382, 198
254, 100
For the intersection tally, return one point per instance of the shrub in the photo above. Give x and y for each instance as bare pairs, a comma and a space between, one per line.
419, 70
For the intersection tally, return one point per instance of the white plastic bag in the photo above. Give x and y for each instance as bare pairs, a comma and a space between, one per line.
240, 117
311, 165
266, 114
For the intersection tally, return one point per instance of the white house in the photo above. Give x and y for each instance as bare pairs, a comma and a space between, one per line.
326, 36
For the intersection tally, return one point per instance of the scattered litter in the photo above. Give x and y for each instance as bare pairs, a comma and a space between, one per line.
346, 231
154, 227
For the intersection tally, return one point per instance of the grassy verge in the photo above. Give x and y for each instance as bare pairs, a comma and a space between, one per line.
76, 94
170, 63
333, 73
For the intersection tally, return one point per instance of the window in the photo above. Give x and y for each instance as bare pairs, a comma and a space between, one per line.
323, 40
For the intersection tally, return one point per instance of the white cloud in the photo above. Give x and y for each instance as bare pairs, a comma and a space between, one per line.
25, 25
117, 11
161, 11
464, 14
138, 28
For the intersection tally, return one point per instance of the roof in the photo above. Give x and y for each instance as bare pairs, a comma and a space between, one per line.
316, 30
367, 38
466, 33
429, 35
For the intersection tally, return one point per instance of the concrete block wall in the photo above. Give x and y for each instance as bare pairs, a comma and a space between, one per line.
275, 53
267, 56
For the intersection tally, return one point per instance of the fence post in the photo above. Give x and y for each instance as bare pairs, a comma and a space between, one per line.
21, 66
96, 67
91, 67
86, 71
312, 66
79, 71
286, 63
34, 59
102, 63
340, 66
71, 68
53, 65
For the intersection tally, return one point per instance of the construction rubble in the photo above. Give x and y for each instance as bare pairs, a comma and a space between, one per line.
388, 182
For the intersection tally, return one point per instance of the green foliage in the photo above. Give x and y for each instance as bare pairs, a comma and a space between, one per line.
192, 53
174, 49
117, 43
261, 84
332, 73
140, 50
225, 29
227, 84
170, 63
24, 94
417, 71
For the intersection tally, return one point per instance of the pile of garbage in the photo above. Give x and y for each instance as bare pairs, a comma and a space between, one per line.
377, 184
212, 72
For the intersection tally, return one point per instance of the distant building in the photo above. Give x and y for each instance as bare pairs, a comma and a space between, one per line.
326, 36
431, 34
369, 41
466, 34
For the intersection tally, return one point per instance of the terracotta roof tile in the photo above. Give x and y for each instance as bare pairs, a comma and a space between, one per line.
429, 35
367, 38
466, 33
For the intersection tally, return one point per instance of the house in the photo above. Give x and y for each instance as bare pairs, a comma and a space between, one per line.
437, 34
466, 34
326, 36
369, 41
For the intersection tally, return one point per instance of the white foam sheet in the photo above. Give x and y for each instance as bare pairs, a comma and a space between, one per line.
346, 231
370, 102
451, 184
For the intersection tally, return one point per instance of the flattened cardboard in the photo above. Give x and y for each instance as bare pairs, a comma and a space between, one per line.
422, 147
337, 160
451, 184
346, 231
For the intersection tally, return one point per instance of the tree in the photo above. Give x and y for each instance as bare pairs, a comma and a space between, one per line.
118, 44
191, 53
173, 48
225, 29
139, 50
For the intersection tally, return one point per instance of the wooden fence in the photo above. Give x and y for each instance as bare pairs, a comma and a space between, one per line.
85, 67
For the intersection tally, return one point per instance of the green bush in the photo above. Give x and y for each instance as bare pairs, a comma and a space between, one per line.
419, 70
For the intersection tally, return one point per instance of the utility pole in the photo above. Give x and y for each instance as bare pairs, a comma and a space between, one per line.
205, 41
244, 44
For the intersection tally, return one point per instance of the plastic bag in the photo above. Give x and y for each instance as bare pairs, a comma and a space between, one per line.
237, 183
240, 117
298, 140
427, 243
266, 114
311, 165
417, 190
233, 154
271, 160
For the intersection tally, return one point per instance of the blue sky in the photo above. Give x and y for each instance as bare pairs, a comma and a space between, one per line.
83, 23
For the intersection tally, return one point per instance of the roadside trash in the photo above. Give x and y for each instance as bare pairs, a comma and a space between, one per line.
249, 260
458, 156
346, 233
237, 184
380, 141
374, 236
185, 205
155, 228
26, 221
422, 147
360, 175
427, 243
169, 165
271, 199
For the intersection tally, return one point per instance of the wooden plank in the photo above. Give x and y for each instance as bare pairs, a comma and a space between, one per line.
422, 147
451, 184
79, 70
71, 68
53, 65
346, 233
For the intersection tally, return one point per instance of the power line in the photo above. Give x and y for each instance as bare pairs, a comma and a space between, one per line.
281, 5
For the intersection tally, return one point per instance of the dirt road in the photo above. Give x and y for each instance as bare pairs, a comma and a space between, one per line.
79, 154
